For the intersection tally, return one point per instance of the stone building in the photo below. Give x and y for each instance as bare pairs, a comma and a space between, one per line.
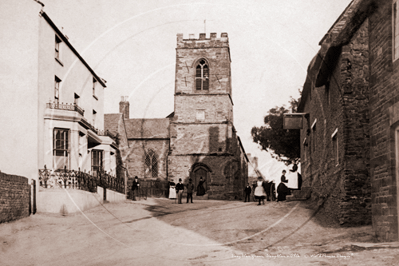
198, 139
350, 141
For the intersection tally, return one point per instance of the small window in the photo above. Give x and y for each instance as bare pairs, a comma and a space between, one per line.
76, 99
335, 150
94, 88
57, 47
94, 117
57, 82
202, 76
314, 136
395, 29
200, 115
232, 170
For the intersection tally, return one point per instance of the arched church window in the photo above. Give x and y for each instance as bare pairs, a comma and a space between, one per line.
202, 76
232, 170
151, 164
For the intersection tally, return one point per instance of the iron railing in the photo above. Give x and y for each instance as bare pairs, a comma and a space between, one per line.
76, 179
65, 106
106, 133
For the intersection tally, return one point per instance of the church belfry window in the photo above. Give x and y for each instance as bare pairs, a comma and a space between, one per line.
202, 76
151, 164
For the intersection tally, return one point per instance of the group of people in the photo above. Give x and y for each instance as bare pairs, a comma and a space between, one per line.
266, 190
176, 190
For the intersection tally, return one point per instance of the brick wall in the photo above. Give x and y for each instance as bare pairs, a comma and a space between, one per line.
14, 197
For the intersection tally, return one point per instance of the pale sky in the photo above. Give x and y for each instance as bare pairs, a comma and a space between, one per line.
131, 44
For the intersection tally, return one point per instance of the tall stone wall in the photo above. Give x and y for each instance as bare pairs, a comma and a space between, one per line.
356, 202
14, 197
335, 141
383, 102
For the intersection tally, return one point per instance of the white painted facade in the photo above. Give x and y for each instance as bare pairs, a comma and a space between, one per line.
38, 57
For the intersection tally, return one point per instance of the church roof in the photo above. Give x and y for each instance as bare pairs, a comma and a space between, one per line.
153, 128
111, 122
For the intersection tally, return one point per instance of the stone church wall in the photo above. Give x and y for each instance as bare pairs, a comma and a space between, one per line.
135, 159
221, 184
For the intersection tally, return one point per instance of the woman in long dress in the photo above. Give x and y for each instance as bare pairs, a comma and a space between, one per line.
200, 188
260, 191
172, 189
282, 189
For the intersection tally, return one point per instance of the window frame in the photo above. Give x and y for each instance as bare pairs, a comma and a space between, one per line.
66, 146
335, 146
57, 48
97, 165
202, 76
314, 136
94, 88
151, 164
395, 30
57, 82
94, 118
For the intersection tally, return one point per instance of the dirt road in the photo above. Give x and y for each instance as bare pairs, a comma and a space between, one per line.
159, 232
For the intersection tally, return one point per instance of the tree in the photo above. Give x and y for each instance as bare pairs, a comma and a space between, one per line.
283, 144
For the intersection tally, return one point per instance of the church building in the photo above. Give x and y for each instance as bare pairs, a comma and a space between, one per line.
198, 140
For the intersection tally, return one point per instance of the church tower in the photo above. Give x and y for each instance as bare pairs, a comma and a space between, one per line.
202, 136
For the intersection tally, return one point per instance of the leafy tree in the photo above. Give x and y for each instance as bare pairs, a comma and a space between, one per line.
283, 144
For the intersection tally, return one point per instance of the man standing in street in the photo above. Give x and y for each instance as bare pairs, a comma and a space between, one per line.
135, 187
248, 191
190, 189
179, 190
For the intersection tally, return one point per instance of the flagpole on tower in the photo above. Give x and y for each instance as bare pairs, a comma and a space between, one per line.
205, 26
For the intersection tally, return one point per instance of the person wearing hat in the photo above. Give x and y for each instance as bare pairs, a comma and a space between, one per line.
247, 191
179, 190
190, 189
172, 189
135, 187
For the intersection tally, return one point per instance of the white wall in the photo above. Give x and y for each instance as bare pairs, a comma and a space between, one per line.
18, 87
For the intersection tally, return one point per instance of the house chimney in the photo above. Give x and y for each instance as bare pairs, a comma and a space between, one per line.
124, 106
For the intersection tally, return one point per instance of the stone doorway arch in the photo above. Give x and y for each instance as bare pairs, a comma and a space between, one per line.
199, 170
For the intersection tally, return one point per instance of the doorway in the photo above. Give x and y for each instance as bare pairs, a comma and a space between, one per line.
200, 170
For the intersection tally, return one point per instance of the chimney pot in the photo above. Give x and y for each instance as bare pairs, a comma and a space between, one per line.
124, 107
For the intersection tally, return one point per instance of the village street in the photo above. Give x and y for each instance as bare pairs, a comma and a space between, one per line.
160, 232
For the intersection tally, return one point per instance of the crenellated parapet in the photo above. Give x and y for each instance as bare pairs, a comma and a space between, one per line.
202, 41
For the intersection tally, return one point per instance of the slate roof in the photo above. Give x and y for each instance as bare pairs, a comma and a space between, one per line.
111, 122
153, 128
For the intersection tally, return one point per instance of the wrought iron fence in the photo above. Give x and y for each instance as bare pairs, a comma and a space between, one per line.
151, 188
76, 179
66, 106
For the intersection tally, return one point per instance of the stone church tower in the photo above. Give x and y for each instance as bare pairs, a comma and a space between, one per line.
203, 142
198, 139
